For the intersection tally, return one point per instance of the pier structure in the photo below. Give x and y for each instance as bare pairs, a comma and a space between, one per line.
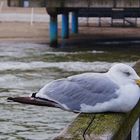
53, 25
115, 9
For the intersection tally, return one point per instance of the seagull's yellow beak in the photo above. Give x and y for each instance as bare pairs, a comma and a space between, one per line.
138, 82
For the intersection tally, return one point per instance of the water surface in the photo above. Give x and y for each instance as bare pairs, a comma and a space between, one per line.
26, 67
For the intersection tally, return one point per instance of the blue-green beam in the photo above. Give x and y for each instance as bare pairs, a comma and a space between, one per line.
53, 30
65, 25
74, 22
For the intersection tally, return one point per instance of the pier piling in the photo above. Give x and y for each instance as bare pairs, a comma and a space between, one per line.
116, 10
65, 25
53, 30
74, 22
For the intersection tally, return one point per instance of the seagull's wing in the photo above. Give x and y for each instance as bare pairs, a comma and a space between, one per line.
72, 92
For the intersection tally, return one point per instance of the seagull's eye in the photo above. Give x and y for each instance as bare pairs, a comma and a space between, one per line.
127, 73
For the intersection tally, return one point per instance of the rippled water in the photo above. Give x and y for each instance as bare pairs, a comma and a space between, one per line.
26, 67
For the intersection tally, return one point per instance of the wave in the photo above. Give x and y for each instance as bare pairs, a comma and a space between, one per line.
66, 66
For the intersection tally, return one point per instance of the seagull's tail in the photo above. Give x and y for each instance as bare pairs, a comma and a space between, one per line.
33, 101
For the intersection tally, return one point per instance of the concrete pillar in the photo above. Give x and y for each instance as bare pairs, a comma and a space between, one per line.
65, 25
74, 22
53, 30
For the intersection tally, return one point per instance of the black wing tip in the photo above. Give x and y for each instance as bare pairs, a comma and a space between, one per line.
10, 99
18, 99
31, 101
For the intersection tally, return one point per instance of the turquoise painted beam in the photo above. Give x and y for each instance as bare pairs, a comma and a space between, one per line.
65, 25
53, 30
74, 22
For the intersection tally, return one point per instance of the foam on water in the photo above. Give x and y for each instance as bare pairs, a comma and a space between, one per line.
65, 66
20, 50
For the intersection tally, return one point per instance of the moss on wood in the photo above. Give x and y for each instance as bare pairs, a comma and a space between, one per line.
76, 129
106, 123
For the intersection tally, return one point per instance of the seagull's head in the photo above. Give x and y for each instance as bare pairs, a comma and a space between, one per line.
123, 74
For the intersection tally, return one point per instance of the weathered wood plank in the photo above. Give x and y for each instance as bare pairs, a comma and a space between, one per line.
78, 3
77, 128
107, 126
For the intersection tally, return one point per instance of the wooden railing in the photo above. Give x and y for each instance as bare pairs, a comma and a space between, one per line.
77, 3
106, 126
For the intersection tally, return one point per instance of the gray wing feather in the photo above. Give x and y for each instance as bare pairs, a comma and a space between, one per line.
89, 89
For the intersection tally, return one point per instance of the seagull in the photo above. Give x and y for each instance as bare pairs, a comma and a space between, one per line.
117, 90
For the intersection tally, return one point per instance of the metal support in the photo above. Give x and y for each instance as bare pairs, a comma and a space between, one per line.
74, 24
53, 30
65, 25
